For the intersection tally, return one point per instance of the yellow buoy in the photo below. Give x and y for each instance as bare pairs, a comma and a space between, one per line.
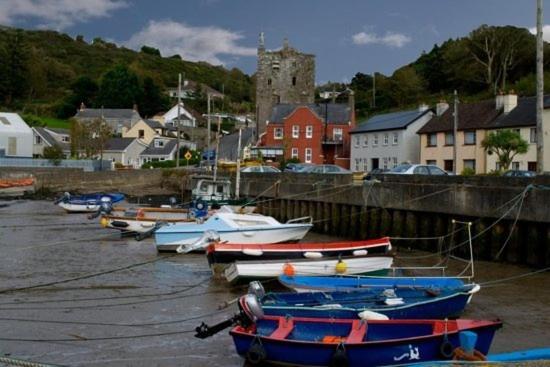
104, 222
341, 267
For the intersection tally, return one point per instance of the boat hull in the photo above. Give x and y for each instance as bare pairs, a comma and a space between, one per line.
417, 304
253, 270
171, 241
225, 253
380, 348
350, 283
79, 208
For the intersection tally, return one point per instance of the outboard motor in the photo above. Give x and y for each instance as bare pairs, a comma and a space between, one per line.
65, 198
206, 239
199, 209
105, 207
173, 201
256, 288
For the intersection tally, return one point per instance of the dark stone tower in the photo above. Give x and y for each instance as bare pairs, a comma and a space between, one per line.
283, 76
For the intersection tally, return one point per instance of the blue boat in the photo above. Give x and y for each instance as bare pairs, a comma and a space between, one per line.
401, 303
355, 343
343, 283
87, 203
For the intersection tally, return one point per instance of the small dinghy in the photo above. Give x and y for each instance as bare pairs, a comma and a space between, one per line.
401, 303
87, 203
253, 270
223, 253
142, 220
308, 283
300, 341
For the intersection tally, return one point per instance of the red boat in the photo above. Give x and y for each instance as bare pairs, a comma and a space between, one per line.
223, 253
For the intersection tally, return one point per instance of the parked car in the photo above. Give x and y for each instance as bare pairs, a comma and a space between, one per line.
326, 168
417, 169
519, 173
260, 169
297, 167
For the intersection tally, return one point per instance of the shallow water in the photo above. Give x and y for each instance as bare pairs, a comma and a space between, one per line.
41, 244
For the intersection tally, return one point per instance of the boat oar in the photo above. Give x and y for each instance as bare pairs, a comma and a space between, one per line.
149, 233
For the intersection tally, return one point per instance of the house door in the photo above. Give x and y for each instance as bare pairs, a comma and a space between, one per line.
374, 163
12, 145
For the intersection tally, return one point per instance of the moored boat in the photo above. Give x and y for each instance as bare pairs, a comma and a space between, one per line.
343, 342
309, 283
141, 220
87, 203
253, 270
233, 227
224, 253
402, 303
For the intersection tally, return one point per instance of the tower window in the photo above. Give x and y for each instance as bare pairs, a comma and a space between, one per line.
269, 81
293, 80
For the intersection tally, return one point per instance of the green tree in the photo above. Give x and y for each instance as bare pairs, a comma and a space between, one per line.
119, 88
150, 51
506, 144
84, 90
152, 99
14, 79
54, 154
407, 87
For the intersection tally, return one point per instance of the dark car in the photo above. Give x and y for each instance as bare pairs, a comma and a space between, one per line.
519, 173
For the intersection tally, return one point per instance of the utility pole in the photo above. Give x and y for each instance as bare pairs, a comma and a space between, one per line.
217, 146
455, 132
238, 179
208, 127
374, 90
540, 91
178, 130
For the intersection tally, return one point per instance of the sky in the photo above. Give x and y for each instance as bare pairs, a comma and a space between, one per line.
347, 36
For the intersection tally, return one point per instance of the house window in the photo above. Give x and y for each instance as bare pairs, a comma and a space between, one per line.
294, 153
469, 137
394, 161
159, 143
38, 139
357, 139
308, 155
366, 141
448, 165
375, 140
432, 140
357, 161
293, 80
269, 81
395, 138
449, 138
386, 139
532, 166
338, 134
295, 131
515, 166
533, 135
309, 131
497, 166
65, 139
470, 164
278, 133
431, 162
141, 134
385, 160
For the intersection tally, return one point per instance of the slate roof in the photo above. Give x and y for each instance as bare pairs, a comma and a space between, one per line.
153, 124
165, 150
229, 143
471, 116
389, 121
59, 130
338, 113
45, 134
525, 114
118, 144
108, 113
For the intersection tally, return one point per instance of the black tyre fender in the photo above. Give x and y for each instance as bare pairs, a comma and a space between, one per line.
446, 349
339, 358
256, 354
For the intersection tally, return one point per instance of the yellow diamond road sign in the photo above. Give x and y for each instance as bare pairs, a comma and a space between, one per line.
188, 155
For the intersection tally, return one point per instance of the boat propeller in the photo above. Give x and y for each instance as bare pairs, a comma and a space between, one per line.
66, 196
105, 207
250, 311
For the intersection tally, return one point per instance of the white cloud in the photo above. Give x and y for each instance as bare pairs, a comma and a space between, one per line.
192, 43
57, 14
545, 32
390, 39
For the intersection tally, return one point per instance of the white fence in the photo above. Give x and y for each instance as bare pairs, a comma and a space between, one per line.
84, 164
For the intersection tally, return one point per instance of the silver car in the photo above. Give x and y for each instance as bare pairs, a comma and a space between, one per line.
417, 169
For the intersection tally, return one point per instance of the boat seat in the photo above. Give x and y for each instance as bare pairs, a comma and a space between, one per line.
285, 328
358, 331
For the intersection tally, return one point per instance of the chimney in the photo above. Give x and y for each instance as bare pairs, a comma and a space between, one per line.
285, 44
509, 102
135, 108
441, 107
422, 107
351, 104
82, 106
499, 101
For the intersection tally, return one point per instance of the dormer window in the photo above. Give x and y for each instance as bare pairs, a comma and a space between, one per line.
159, 143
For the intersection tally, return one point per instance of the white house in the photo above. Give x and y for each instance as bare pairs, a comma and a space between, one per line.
187, 118
47, 137
16, 138
160, 149
124, 151
387, 140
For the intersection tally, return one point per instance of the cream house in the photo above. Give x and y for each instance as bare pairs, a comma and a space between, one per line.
146, 131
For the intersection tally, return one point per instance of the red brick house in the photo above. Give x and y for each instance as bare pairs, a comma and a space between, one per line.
299, 131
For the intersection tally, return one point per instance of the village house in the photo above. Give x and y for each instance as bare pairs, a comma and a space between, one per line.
147, 130
188, 117
312, 133
387, 140
190, 88
124, 151
160, 149
117, 119
229, 143
16, 137
48, 137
